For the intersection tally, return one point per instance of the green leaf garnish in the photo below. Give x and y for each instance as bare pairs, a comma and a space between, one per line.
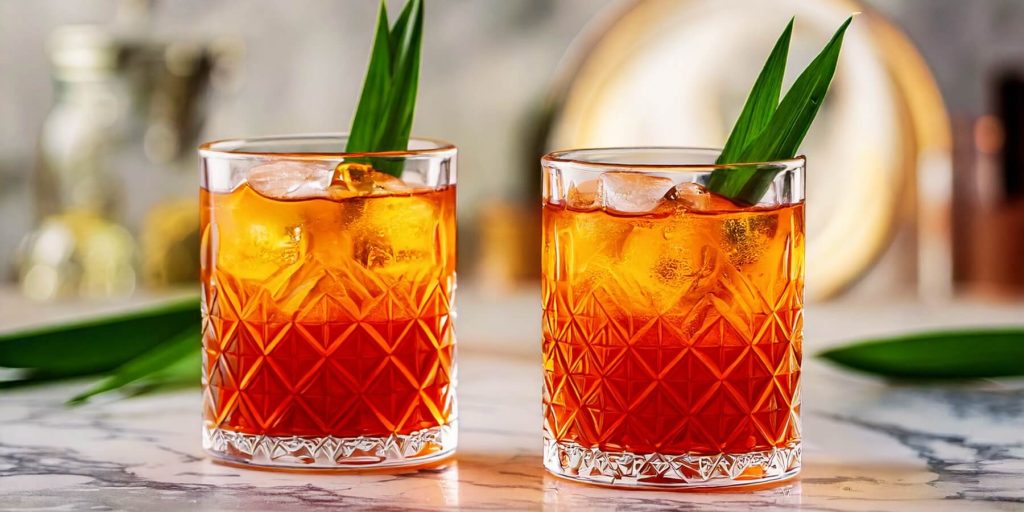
172, 353
383, 118
98, 344
961, 354
785, 129
790, 122
761, 103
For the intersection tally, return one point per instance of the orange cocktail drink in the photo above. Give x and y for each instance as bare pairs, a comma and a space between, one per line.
328, 304
672, 325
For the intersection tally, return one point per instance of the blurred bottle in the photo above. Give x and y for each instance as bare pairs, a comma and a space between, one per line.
77, 247
990, 202
126, 116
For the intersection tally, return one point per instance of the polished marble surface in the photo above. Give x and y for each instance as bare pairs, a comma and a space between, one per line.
869, 445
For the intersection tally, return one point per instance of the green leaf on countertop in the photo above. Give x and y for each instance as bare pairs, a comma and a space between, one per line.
97, 344
781, 136
186, 372
383, 118
959, 354
166, 363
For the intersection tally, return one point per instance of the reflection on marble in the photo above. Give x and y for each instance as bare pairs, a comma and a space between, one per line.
868, 446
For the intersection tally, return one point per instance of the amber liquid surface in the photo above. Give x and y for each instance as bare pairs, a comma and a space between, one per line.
328, 317
675, 332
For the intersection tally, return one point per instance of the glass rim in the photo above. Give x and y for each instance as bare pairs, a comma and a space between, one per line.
230, 148
577, 158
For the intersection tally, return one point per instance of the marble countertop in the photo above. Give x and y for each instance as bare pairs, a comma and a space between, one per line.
868, 445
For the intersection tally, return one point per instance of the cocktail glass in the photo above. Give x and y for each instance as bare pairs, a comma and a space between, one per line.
672, 324
328, 301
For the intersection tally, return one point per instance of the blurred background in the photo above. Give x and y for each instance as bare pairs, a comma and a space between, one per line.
916, 165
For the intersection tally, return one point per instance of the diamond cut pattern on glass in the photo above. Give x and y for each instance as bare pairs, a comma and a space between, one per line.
660, 347
735, 382
331, 451
593, 465
298, 377
328, 320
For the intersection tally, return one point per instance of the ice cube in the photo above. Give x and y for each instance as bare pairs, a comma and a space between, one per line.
666, 260
628, 192
362, 179
583, 195
691, 196
354, 178
745, 239
384, 184
286, 179
254, 242
397, 234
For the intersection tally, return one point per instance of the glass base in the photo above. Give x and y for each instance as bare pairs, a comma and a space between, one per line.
330, 452
592, 465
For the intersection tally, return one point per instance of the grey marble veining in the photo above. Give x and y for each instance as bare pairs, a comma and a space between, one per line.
869, 446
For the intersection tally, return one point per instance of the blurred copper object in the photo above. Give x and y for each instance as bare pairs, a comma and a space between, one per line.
674, 72
990, 197
170, 243
507, 250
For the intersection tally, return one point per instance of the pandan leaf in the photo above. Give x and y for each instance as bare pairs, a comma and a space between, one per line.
97, 344
154, 364
761, 103
781, 137
383, 119
960, 354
